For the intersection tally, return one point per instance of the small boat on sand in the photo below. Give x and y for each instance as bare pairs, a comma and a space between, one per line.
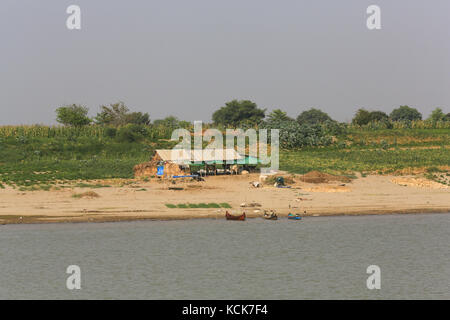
294, 217
233, 217
270, 216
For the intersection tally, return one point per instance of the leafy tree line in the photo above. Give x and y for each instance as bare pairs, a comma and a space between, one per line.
311, 127
235, 113
119, 121
114, 115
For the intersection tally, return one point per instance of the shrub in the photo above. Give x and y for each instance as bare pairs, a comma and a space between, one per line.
131, 133
294, 135
111, 132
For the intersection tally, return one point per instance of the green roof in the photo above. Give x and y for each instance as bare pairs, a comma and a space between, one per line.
247, 160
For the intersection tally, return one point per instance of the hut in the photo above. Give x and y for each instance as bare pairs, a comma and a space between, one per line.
172, 161
184, 162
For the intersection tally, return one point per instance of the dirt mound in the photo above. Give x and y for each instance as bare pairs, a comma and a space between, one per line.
320, 177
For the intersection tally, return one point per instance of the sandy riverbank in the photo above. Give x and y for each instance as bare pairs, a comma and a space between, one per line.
146, 200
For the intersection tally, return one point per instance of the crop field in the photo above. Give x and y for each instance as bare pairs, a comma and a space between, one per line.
374, 151
336, 160
41, 158
28, 161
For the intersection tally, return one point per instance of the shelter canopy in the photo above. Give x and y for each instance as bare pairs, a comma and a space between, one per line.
184, 156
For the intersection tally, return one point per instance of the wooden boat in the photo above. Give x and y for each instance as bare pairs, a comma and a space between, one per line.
271, 216
294, 217
233, 217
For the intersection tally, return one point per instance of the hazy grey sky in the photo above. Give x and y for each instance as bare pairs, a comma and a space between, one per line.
188, 57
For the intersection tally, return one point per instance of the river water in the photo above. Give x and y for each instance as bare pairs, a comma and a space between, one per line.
316, 258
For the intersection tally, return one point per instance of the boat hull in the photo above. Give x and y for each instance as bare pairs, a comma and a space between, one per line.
235, 218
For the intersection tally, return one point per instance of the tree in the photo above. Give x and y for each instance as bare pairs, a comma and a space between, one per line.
168, 122
138, 118
236, 112
437, 115
405, 113
277, 115
378, 116
73, 115
447, 117
118, 114
363, 117
313, 116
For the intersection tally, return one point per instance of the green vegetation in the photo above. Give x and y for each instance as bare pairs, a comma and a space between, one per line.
92, 186
47, 155
73, 115
118, 114
44, 158
365, 150
313, 116
405, 113
238, 112
277, 115
363, 117
87, 194
34, 156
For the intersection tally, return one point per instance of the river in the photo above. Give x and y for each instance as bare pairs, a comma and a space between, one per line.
316, 258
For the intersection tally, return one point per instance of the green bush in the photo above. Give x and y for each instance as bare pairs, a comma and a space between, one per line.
293, 135
110, 132
131, 133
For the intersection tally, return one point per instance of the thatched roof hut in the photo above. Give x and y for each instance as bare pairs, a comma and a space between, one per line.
178, 161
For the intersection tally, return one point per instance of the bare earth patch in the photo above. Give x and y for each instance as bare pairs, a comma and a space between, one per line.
327, 188
418, 182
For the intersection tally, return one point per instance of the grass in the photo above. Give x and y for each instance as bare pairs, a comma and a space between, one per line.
87, 194
340, 161
94, 186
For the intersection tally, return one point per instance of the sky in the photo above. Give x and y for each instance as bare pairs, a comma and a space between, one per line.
188, 57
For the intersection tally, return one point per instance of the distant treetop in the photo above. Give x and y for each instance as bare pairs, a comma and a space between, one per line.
118, 114
313, 116
363, 117
73, 115
278, 115
437, 115
405, 113
237, 112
